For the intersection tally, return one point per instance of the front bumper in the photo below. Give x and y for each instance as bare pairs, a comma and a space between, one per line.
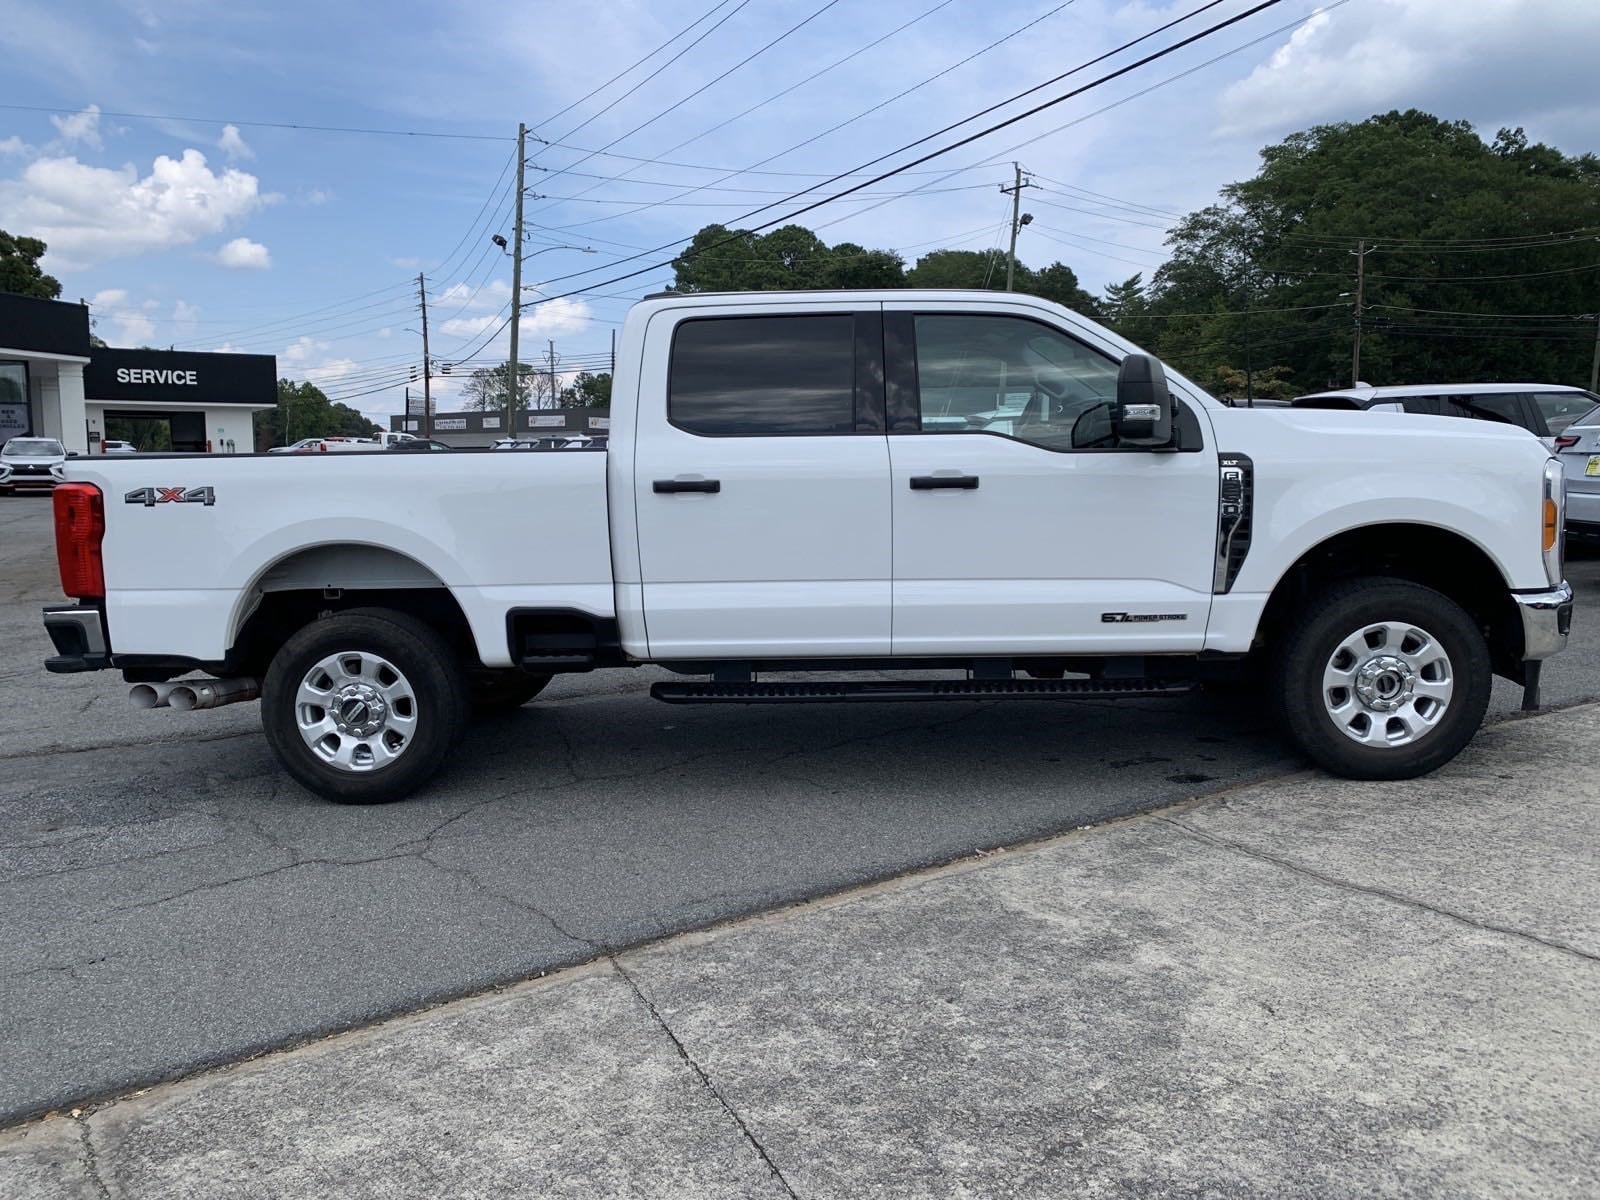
78, 632
1546, 621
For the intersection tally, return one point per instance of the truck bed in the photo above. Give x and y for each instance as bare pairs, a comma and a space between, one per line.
193, 541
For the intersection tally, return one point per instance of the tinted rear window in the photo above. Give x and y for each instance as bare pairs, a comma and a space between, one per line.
761, 376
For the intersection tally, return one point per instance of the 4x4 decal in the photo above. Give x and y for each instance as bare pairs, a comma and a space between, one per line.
152, 496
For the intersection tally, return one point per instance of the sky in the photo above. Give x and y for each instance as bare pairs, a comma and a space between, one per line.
164, 149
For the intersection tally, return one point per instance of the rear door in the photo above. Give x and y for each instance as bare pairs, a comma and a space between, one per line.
761, 483
1018, 528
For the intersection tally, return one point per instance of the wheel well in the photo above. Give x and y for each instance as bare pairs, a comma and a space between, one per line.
319, 580
1424, 554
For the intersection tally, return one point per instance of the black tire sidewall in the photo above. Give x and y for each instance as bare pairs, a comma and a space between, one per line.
1335, 616
418, 652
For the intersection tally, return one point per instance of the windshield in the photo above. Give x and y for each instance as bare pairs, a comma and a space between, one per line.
34, 447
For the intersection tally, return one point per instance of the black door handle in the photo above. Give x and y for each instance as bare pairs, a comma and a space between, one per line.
668, 486
928, 483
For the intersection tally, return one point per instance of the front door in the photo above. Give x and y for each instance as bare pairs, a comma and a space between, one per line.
761, 484
1019, 527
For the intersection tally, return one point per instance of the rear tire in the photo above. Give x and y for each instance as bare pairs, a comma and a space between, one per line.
364, 707
1382, 679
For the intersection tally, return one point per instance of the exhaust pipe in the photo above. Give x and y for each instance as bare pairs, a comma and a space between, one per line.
150, 695
212, 693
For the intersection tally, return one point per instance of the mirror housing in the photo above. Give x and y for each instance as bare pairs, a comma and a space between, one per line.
72, 454
1144, 408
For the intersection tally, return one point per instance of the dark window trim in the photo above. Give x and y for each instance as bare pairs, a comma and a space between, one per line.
869, 380
905, 397
858, 351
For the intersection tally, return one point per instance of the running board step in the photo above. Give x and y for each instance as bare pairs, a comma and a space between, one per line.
853, 690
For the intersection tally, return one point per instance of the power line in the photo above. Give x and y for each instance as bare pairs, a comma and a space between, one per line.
595, 91
970, 138
417, 133
867, 112
813, 15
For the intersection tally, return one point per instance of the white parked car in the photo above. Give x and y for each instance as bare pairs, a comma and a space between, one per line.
30, 463
303, 446
1544, 409
113, 446
797, 486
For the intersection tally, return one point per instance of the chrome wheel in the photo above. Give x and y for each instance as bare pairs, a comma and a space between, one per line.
356, 711
1388, 684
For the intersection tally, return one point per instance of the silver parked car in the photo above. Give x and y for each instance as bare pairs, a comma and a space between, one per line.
30, 462
1578, 448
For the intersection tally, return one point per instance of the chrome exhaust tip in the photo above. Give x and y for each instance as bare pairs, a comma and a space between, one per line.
150, 695
212, 693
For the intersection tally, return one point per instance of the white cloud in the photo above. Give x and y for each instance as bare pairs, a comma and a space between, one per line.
406, 261
185, 317
232, 143
308, 358
80, 127
88, 214
493, 294
14, 145
242, 254
318, 196
1505, 62
132, 329
385, 332
109, 298
547, 319
552, 318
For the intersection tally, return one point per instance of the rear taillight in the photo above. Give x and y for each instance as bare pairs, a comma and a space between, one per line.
80, 526
1566, 442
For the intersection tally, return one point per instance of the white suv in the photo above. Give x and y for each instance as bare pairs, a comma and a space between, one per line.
1545, 409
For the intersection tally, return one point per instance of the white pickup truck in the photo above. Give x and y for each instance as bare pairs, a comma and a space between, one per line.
830, 482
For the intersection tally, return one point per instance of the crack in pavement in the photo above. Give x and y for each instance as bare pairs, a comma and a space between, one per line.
705, 1079
91, 1161
1382, 893
270, 871
599, 948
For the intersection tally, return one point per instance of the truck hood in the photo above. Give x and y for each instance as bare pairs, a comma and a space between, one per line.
1377, 435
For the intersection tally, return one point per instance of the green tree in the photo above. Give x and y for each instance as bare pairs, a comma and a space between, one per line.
304, 411
20, 273
959, 269
1463, 240
587, 391
487, 388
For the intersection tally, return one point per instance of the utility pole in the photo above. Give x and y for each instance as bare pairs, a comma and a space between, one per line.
1018, 219
514, 377
427, 363
1594, 366
614, 353
554, 403
1361, 286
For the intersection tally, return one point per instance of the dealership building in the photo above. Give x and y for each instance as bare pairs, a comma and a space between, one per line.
53, 383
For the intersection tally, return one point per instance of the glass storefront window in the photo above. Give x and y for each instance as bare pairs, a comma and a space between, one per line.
14, 417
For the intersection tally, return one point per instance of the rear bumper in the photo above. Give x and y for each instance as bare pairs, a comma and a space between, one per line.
1546, 621
78, 632
1583, 509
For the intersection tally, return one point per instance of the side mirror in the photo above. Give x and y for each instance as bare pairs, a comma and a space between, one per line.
1143, 414
72, 454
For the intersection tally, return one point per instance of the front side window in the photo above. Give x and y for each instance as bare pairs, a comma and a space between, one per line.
1561, 409
1013, 377
763, 376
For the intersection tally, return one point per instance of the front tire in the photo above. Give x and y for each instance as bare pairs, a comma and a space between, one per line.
1383, 679
365, 706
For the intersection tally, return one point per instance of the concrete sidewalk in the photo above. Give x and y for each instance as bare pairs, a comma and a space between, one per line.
1303, 988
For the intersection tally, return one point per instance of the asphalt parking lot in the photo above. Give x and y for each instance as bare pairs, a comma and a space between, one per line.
169, 900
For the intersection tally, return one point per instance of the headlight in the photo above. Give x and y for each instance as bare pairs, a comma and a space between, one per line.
1554, 513
58, 472
5, 472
